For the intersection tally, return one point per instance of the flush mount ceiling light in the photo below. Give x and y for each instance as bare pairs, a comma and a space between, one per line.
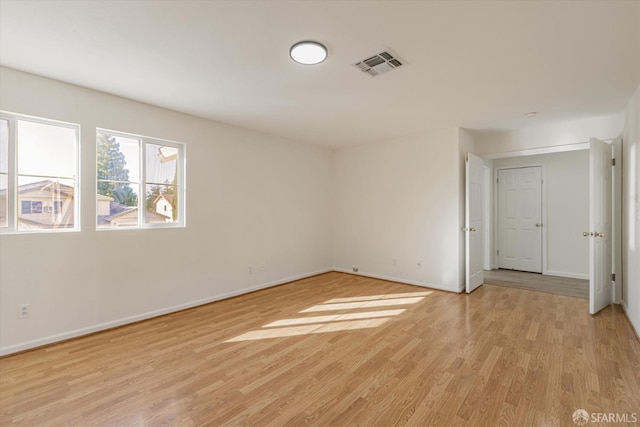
308, 52
531, 114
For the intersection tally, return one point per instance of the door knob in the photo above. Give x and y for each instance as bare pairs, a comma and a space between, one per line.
538, 224
586, 234
598, 234
472, 230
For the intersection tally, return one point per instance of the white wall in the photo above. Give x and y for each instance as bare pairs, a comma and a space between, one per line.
566, 198
631, 211
399, 200
251, 199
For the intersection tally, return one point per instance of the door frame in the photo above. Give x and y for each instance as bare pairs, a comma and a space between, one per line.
616, 219
487, 173
496, 214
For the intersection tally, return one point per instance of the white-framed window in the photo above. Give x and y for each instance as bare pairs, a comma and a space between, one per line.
39, 170
140, 181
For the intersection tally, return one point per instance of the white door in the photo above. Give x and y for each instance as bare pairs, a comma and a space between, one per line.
486, 233
520, 219
474, 222
600, 287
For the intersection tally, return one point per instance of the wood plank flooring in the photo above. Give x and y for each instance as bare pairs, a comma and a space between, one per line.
578, 288
338, 350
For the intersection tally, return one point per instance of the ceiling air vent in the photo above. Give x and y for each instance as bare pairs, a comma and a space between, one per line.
380, 63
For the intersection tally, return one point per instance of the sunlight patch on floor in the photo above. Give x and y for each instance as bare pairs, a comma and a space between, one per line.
337, 322
378, 297
334, 317
310, 329
362, 304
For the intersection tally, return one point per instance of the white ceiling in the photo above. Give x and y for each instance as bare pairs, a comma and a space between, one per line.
480, 65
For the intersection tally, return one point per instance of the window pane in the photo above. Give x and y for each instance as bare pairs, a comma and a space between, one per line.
161, 162
46, 150
4, 146
118, 158
36, 207
118, 208
38, 198
161, 204
4, 169
134, 187
4, 209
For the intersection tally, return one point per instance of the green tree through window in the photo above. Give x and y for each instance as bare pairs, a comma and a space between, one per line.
112, 173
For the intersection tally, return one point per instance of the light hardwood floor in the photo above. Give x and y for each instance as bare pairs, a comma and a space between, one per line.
499, 356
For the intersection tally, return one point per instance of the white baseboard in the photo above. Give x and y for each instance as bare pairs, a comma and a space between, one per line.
132, 319
397, 279
626, 313
567, 275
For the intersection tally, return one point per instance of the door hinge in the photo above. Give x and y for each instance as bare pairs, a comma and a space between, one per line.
497, 180
498, 252
613, 277
613, 162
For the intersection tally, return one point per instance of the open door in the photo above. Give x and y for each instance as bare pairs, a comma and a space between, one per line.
474, 222
600, 286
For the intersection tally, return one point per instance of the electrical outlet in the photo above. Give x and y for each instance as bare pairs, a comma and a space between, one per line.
263, 266
395, 262
250, 270
24, 311
355, 269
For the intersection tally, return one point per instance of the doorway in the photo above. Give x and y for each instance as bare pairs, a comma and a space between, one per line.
564, 212
572, 229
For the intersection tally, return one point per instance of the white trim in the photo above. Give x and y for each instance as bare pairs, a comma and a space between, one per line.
616, 220
541, 150
148, 315
151, 139
487, 173
566, 274
626, 313
399, 280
